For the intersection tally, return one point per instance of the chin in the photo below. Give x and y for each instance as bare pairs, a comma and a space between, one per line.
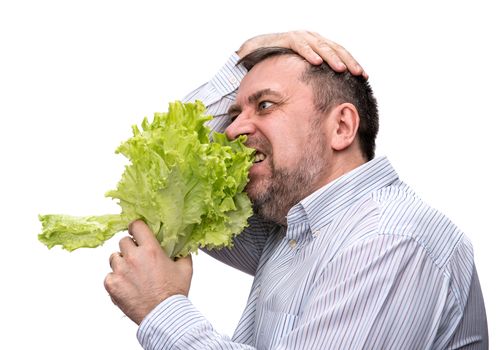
256, 189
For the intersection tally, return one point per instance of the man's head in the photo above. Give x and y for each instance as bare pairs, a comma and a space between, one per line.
308, 124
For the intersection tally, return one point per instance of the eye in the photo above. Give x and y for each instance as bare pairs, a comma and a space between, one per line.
265, 105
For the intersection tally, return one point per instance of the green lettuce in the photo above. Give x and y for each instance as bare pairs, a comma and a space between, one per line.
188, 189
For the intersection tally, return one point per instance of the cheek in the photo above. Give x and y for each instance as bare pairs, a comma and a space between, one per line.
288, 153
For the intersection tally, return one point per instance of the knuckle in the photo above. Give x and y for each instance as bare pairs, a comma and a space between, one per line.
323, 45
109, 283
338, 47
298, 35
309, 34
302, 44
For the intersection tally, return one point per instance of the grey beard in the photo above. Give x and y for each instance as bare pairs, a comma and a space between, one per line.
287, 188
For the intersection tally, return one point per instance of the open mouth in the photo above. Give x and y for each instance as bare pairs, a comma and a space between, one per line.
259, 157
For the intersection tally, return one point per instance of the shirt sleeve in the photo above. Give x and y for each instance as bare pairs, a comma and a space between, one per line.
247, 247
177, 324
219, 93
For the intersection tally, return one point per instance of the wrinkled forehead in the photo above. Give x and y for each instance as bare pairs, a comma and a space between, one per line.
279, 73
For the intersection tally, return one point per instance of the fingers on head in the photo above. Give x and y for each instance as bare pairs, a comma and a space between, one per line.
302, 43
337, 56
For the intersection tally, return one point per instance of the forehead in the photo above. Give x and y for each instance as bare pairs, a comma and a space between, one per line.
280, 74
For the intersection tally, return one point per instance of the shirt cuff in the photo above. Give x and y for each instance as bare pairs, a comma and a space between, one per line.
166, 324
228, 78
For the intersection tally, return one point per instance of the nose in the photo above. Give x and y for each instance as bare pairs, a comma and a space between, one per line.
242, 125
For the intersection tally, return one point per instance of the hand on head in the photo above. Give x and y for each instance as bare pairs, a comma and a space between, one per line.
312, 46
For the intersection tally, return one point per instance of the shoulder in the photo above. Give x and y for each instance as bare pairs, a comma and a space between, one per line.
402, 213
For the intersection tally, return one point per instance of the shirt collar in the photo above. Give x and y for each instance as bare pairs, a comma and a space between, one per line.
318, 208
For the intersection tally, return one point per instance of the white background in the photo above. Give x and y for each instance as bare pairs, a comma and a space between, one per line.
75, 75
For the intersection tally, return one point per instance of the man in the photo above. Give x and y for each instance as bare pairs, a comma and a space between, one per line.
344, 254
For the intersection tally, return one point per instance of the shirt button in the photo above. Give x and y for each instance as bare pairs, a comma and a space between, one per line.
232, 80
316, 233
292, 243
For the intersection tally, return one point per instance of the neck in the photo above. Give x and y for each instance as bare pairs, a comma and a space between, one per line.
343, 163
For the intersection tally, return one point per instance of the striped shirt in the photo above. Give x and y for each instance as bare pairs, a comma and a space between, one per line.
362, 264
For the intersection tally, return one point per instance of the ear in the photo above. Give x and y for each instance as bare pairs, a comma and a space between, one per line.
345, 124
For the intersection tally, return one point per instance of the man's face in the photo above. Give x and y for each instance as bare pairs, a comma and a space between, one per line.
275, 109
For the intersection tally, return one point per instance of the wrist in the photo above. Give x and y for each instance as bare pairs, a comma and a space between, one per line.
169, 322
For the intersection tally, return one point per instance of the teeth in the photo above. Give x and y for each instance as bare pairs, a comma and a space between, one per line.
259, 157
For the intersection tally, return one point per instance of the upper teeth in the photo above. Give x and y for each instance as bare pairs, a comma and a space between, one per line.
259, 157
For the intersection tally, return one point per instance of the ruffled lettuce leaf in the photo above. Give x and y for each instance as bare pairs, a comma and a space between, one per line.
188, 189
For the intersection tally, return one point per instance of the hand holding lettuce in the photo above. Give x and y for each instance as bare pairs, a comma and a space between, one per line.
187, 189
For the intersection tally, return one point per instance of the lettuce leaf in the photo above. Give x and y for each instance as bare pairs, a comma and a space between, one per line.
188, 189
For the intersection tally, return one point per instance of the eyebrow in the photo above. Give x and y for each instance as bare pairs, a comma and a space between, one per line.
236, 108
258, 95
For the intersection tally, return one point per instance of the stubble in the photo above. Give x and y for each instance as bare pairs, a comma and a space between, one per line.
287, 186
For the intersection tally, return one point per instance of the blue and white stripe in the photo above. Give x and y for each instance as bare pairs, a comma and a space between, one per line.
219, 93
362, 264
